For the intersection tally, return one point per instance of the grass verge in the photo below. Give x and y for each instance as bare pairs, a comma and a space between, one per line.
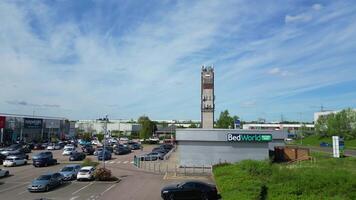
327, 178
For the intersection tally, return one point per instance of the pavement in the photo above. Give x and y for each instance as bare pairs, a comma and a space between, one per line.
135, 184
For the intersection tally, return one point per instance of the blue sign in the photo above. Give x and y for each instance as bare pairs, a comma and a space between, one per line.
237, 122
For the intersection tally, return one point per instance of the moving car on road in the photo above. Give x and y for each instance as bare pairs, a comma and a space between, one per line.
4, 173
46, 182
12, 161
86, 173
77, 156
190, 190
70, 172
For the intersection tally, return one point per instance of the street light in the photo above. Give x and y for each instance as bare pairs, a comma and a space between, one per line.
105, 133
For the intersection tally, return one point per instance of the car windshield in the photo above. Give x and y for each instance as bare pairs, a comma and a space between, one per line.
84, 170
67, 169
44, 177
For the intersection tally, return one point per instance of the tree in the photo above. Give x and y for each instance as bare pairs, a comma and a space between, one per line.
225, 120
342, 124
192, 125
147, 127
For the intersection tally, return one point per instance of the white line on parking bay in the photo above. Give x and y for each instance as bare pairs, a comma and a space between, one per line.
83, 188
109, 188
73, 198
13, 187
126, 162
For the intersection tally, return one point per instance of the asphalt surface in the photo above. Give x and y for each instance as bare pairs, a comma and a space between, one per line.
135, 184
329, 150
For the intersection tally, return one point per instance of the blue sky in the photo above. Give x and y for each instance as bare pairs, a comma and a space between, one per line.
82, 59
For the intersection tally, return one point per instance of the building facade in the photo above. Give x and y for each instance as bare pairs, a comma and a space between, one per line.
207, 147
97, 126
29, 128
207, 97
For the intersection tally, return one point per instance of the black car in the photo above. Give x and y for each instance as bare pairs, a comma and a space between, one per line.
77, 156
88, 149
120, 150
43, 159
190, 190
134, 145
160, 149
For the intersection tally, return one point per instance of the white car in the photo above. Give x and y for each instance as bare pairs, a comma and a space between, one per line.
54, 147
96, 142
68, 151
12, 161
86, 173
4, 173
69, 145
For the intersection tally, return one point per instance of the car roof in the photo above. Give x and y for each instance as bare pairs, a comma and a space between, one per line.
73, 165
12, 157
87, 167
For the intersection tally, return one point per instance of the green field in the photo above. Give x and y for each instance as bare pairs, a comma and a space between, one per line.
314, 140
324, 178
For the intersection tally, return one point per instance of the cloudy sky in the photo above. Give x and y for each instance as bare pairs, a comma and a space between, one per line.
82, 59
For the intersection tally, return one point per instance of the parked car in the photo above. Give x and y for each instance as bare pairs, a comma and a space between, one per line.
19, 154
2, 158
325, 144
54, 146
46, 182
38, 146
12, 161
26, 149
45, 154
134, 145
70, 172
104, 155
88, 149
190, 190
43, 159
77, 156
101, 149
120, 150
4, 173
152, 156
68, 151
10, 150
86, 173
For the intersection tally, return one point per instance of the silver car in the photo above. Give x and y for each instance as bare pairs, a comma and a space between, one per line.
70, 172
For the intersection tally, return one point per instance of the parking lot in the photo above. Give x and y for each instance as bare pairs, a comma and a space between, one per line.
135, 183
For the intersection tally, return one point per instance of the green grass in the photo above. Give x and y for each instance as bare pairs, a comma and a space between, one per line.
327, 178
314, 140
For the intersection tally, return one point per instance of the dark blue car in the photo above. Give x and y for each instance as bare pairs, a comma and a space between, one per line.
104, 155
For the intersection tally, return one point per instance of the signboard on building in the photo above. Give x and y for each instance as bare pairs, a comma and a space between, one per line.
32, 123
231, 137
52, 123
2, 122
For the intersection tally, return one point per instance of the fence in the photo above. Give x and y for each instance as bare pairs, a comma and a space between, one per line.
160, 167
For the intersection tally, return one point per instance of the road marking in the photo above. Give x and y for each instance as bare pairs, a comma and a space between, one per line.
83, 188
106, 161
13, 187
118, 162
112, 162
126, 162
132, 162
109, 188
22, 192
73, 198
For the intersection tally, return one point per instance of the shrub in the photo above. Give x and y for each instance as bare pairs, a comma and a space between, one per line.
103, 174
89, 162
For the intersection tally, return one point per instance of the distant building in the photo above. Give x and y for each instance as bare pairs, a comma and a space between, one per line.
97, 126
207, 98
325, 113
283, 127
29, 128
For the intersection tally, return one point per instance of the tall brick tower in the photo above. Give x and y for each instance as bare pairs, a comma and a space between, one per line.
207, 97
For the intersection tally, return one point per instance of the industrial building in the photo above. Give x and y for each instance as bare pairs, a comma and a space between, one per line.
28, 128
125, 127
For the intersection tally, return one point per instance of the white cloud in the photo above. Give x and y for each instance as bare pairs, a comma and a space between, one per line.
303, 17
278, 71
317, 6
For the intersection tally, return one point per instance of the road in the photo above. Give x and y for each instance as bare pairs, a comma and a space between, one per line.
135, 184
329, 150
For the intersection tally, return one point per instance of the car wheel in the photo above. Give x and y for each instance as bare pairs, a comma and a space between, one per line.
6, 173
204, 196
25, 163
171, 197
47, 188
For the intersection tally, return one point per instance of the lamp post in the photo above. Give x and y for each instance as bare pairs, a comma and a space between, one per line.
105, 132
